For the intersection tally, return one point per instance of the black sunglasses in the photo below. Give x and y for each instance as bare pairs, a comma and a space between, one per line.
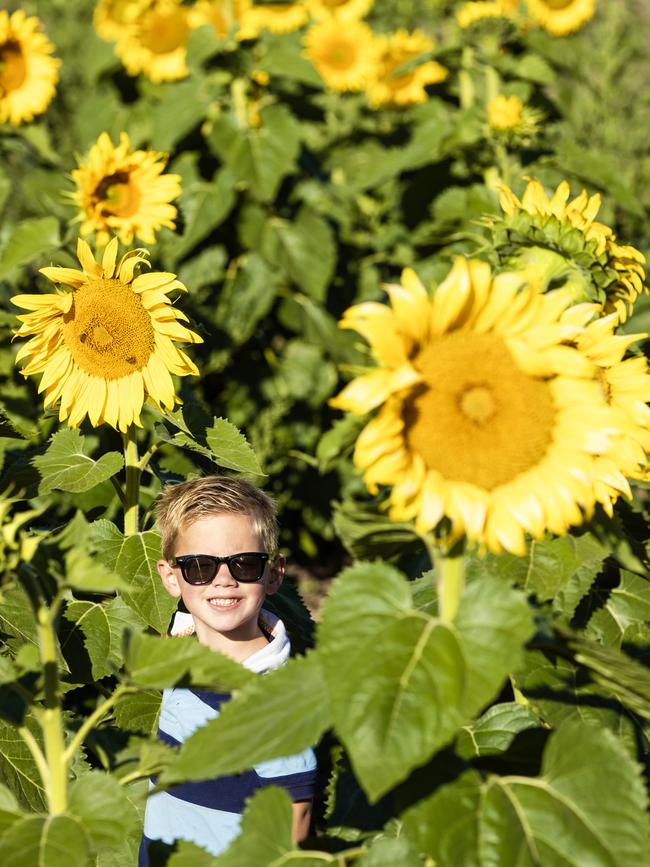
202, 568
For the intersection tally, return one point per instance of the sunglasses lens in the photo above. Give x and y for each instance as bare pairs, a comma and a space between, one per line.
247, 567
199, 570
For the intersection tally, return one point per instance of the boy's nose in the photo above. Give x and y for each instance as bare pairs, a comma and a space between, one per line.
223, 575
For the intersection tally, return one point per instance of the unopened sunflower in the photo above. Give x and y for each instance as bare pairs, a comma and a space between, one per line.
124, 192
559, 241
105, 341
505, 112
344, 10
490, 420
28, 73
478, 10
156, 43
111, 17
223, 15
274, 17
561, 17
345, 57
395, 86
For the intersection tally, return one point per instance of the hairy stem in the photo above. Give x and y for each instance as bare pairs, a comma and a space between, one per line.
132, 489
51, 718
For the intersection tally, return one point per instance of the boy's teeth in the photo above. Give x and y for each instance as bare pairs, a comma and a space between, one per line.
223, 603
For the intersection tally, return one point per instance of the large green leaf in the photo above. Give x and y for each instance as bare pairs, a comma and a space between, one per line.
46, 841
152, 661
134, 559
231, 449
10, 811
279, 714
103, 626
204, 205
621, 610
384, 852
401, 682
31, 238
258, 157
17, 767
247, 298
101, 803
88, 574
65, 467
17, 616
496, 729
138, 712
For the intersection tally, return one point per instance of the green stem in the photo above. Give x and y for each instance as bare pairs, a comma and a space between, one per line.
451, 582
37, 754
132, 488
56, 783
92, 721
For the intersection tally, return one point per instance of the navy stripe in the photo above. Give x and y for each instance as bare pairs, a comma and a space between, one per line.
300, 786
168, 739
226, 793
212, 699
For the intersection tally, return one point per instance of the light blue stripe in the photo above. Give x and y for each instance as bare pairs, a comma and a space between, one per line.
182, 713
167, 818
296, 764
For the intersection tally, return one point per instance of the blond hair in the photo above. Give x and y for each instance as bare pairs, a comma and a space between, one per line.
182, 504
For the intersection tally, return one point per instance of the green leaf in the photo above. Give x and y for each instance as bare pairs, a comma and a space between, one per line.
31, 238
190, 855
65, 467
103, 626
204, 205
495, 731
46, 841
259, 158
623, 609
134, 558
17, 767
152, 661
102, 805
401, 683
245, 300
384, 852
86, 573
9, 809
277, 715
16, 615
231, 449
138, 712
366, 533
179, 107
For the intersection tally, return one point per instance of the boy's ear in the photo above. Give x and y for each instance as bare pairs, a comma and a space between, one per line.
169, 579
276, 574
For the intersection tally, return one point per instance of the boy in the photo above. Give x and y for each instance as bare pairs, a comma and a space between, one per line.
219, 538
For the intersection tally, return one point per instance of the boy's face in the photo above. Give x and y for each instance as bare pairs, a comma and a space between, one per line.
225, 608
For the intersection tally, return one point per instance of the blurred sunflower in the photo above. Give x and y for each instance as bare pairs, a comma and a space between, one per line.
478, 10
223, 15
489, 423
561, 17
394, 87
111, 17
344, 10
104, 343
345, 57
124, 192
28, 75
274, 17
505, 112
156, 43
560, 241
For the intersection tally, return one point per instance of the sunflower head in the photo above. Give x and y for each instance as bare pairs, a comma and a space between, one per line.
28, 73
344, 10
561, 17
491, 415
274, 17
345, 57
223, 16
111, 17
398, 81
124, 192
558, 240
477, 11
156, 42
505, 112
105, 341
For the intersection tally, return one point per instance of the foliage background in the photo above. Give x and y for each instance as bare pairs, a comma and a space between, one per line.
282, 226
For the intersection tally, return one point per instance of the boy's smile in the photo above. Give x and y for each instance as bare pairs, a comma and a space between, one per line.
225, 611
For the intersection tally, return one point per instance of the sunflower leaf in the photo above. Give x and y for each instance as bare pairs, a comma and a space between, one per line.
58, 841
30, 238
65, 467
230, 448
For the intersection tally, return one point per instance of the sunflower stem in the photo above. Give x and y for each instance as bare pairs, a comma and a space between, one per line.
51, 718
450, 567
132, 488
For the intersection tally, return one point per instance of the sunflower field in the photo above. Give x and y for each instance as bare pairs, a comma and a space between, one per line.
388, 261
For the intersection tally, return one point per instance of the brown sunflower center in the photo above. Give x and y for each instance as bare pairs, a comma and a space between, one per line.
477, 417
107, 330
164, 32
13, 68
558, 4
118, 195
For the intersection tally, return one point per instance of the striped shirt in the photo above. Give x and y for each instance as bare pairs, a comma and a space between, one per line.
208, 813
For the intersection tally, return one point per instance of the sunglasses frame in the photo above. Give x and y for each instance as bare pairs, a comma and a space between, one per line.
182, 561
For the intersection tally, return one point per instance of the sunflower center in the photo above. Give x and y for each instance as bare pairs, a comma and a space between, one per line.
558, 4
13, 68
340, 54
118, 196
477, 417
163, 33
334, 4
107, 330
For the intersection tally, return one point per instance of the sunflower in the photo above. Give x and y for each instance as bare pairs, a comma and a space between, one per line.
479, 10
222, 15
490, 422
156, 43
28, 75
274, 17
345, 57
111, 17
124, 192
561, 17
563, 240
344, 10
105, 341
505, 112
392, 87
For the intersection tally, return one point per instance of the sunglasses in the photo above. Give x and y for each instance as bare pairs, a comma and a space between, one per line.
202, 568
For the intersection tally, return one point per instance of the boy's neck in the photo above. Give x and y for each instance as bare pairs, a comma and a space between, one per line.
236, 648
